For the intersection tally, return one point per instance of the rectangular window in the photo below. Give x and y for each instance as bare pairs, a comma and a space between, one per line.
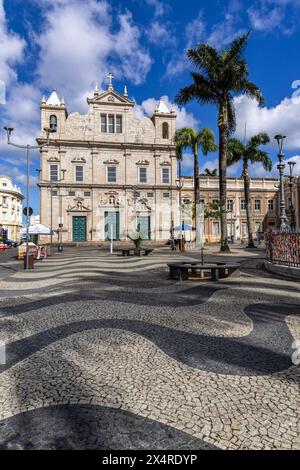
111, 123
142, 175
166, 175
150, 194
270, 204
54, 193
87, 194
230, 205
71, 193
215, 201
119, 126
243, 205
79, 173
111, 174
215, 228
257, 204
166, 195
103, 123
53, 172
4, 215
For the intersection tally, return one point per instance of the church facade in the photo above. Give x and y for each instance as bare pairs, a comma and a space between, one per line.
108, 173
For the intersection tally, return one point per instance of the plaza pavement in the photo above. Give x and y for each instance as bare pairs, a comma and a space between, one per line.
105, 352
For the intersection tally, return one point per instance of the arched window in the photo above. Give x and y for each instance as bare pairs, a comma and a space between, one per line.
165, 130
53, 122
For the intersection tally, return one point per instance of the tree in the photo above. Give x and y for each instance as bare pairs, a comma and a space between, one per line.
208, 172
220, 76
249, 153
189, 138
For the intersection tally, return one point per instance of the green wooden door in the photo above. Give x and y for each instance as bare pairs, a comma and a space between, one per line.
143, 226
112, 219
79, 229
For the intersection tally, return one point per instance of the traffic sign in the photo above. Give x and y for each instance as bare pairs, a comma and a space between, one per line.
30, 211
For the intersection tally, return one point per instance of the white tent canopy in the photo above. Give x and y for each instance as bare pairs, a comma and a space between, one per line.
37, 229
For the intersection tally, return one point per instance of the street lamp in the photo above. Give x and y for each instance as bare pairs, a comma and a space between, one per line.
9, 131
291, 207
179, 183
60, 224
282, 215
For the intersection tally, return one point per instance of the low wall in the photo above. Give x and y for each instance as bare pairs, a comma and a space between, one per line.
287, 271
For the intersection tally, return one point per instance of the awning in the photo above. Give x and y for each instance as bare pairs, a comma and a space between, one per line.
184, 227
37, 229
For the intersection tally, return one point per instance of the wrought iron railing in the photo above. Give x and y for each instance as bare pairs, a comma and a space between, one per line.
283, 248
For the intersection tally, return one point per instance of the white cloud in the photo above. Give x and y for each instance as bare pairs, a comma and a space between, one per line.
11, 50
81, 42
256, 170
17, 176
220, 35
159, 7
184, 119
283, 118
265, 20
160, 35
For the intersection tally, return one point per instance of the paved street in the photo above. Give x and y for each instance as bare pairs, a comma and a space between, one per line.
105, 352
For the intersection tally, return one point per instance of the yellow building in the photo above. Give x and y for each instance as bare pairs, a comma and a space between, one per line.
10, 208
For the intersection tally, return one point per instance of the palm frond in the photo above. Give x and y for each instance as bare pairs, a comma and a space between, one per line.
237, 49
235, 151
206, 141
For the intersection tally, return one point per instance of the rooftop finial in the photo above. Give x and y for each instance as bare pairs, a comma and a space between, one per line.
110, 78
96, 91
125, 92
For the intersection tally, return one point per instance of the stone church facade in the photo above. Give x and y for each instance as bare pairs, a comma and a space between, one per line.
108, 172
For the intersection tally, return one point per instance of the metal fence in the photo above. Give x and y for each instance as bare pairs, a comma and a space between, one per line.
283, 248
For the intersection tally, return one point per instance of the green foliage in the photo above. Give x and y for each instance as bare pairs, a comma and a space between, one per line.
219, 76
250, 152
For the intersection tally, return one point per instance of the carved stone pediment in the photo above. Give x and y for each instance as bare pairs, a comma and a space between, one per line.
78, 206
165, 163
78, 159
110, 97
111, 161
54, 159
111, 198
143, 162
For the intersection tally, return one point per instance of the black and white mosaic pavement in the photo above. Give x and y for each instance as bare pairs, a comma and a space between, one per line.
105, 352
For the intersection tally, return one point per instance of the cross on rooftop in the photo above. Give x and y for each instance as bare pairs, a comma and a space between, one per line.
110, 78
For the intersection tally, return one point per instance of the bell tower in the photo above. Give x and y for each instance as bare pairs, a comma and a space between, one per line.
53, 114
164, 122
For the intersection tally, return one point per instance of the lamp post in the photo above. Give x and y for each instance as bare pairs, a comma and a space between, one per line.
179, 184
291, 207
60, 224
9, 131
282, 214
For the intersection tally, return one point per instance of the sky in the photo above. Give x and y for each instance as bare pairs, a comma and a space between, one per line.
71, 45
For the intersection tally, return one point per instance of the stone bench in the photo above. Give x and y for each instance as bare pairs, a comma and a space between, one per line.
182, 271
134, 252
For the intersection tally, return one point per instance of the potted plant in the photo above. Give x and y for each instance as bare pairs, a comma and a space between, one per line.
136, 237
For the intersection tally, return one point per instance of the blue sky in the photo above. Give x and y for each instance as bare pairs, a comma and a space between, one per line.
72, 44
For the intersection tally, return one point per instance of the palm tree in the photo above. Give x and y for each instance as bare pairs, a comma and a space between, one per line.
208, 172
220, 76
189, 138
249, 153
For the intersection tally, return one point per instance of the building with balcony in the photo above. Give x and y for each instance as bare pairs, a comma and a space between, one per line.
11, 200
